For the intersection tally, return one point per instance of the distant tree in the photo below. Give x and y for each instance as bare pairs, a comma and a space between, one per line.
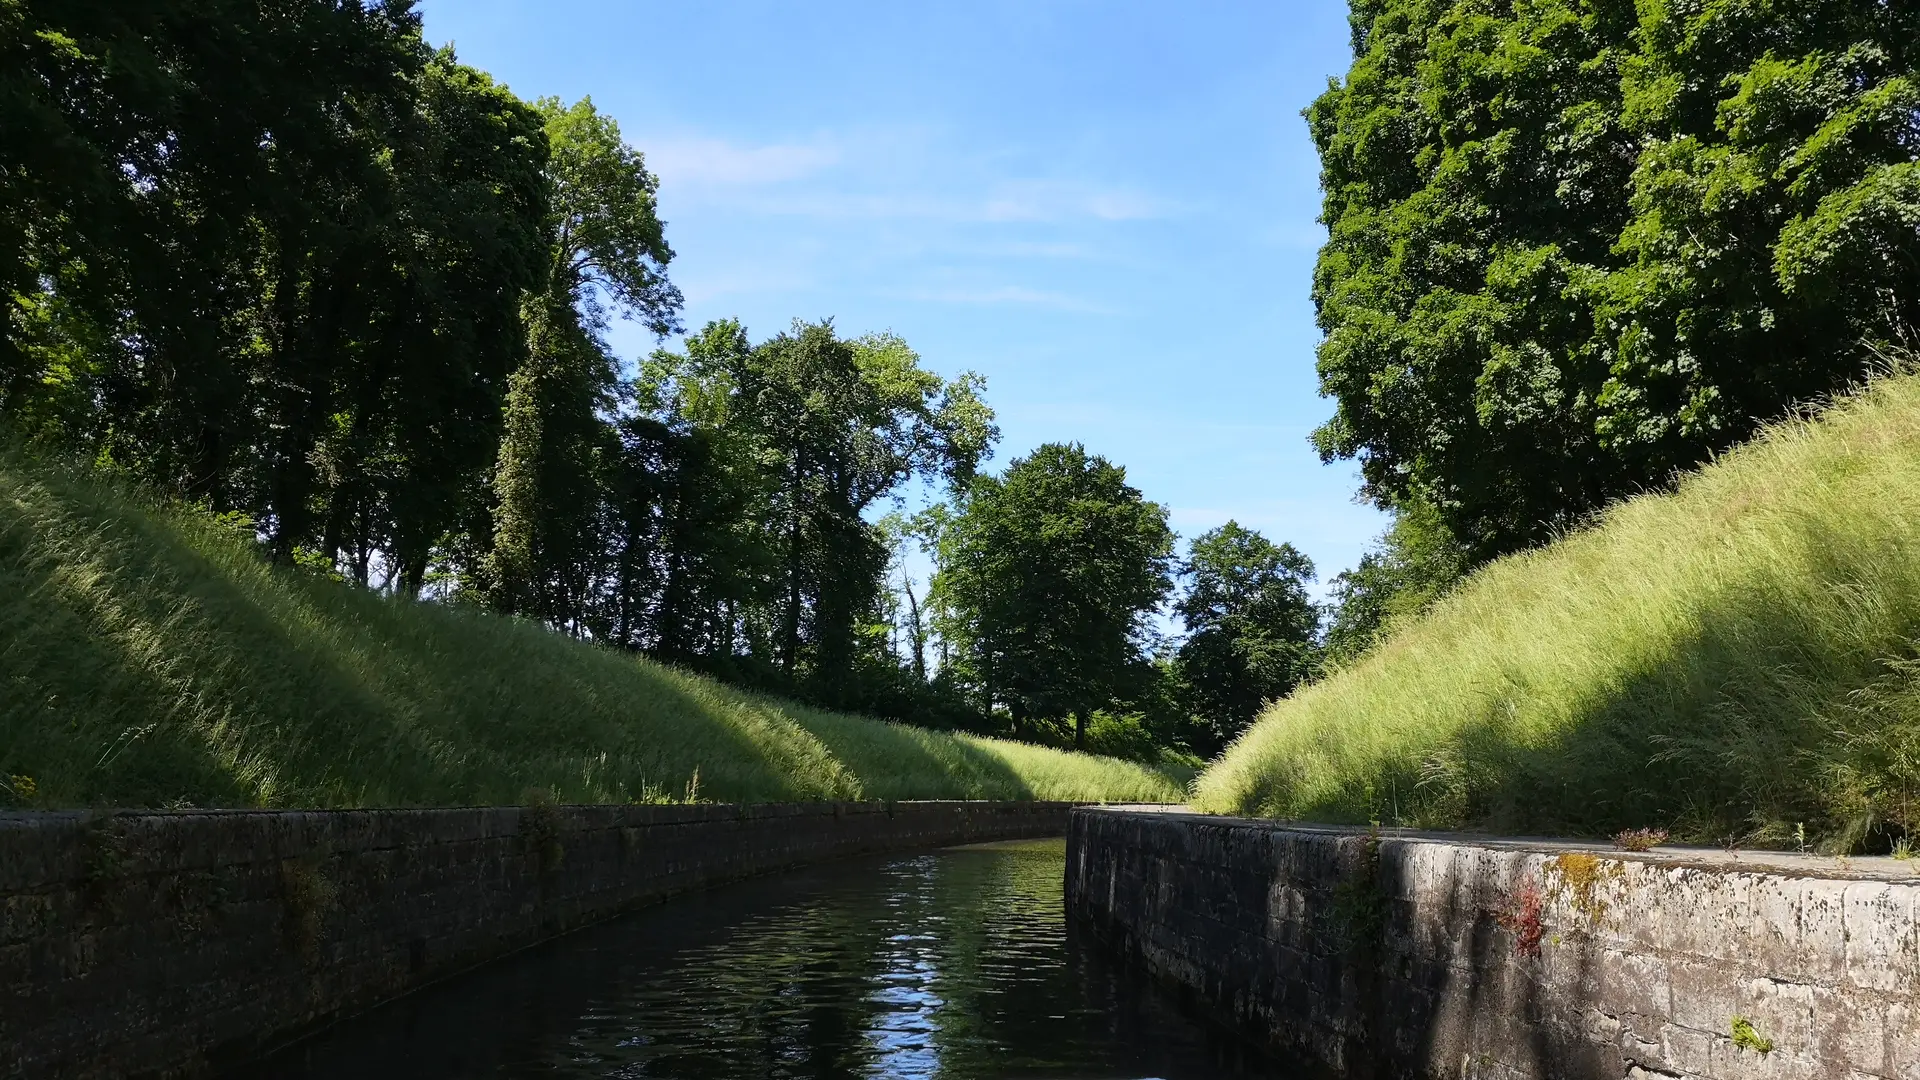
834, 426
1047, 577
1415, 562
1576, 247
1251, 628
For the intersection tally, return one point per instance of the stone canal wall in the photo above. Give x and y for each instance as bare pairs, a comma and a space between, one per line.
145, 944
1406, 955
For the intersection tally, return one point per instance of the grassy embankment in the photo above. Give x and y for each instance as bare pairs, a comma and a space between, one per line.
150, 656
1735, 661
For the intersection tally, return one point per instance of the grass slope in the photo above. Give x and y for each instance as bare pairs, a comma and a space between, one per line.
1734, 661
150, 656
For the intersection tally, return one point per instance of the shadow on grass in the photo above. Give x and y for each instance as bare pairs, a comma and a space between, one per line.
247, 684
894, 761
1727, 733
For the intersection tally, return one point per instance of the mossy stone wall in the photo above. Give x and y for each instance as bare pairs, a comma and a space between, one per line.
1398, 954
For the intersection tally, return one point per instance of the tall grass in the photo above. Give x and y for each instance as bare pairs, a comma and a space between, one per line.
150, 656
1735, 661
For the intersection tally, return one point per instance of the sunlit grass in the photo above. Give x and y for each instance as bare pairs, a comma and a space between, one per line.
150, 656
1729, 661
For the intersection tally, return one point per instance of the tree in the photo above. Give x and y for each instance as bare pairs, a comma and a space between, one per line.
406, 433
1047, 576
606, 245
1415, 562
164, 168
1576, 247
272, 258
837, 425
1250, 628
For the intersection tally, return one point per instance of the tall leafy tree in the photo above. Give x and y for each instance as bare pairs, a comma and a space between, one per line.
838, 425
165, 166
1047, 578
1577, 245
606, 249
413, 428
1250, 625
273, 255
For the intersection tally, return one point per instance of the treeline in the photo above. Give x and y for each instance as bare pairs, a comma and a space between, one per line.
282, 258
285, 260
1579, 247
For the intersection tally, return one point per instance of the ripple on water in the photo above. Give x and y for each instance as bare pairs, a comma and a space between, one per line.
957, 965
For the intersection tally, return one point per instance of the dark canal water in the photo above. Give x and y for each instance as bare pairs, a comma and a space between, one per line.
957, 964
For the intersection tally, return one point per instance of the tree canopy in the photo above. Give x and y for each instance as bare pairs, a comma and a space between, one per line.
1576, 246
1251, 628
826, 427
1047, 577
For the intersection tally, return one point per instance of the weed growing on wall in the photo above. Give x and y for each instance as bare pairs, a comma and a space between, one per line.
1580, 876
1747, 1037
1639, 839
1522, 914
108, 849
540, 824
1360, 908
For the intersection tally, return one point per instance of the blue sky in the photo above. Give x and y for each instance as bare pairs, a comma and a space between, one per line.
1108, 209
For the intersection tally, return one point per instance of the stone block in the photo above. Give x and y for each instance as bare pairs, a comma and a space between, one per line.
1823, 930
1881, 940
1850, 1028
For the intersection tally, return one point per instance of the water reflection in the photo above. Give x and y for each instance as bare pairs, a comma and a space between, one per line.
956, 965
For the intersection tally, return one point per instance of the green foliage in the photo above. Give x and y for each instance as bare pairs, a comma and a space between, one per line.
1413, 564
1576, 248
1724, 662
272, 260
1046, 577
559, 448
155, 655
604, 232
1251, 628
287, 261
1360, 908
816, 430
1747, 1037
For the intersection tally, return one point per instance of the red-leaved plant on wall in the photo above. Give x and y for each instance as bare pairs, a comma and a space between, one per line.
1520, 915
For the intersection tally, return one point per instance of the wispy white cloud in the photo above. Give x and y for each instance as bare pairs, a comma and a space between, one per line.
1004, 294
734, 281
1309, 522
908, 203
900, 175
1058, 200
719, 162
1034, 249
1197, 436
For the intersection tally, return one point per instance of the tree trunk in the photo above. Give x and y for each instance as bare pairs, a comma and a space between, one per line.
919, 633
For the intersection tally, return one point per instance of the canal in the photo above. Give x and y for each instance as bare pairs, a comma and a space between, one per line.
957, 964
